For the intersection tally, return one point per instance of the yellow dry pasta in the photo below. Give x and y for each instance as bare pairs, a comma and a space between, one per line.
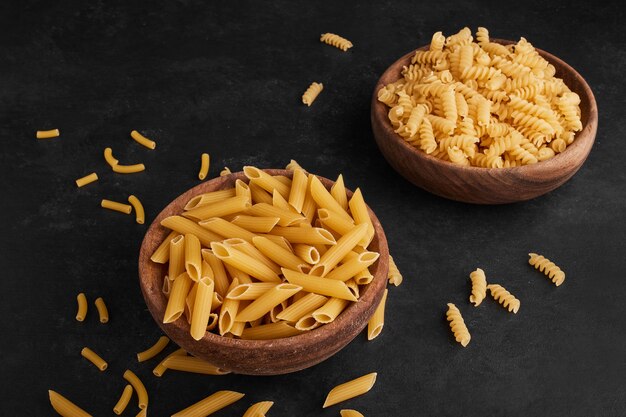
94, 358
140, 216
258, 409
225, 171
318, 285
184, 363
271, 298
209, 198
336, 41
377, 321
501, 295
210, 404
305, 305
394, 275
153, 350
255, 224
65, 407
178, 295
87, 179
160, 369
350, 413
479, 287
122, 403
204, 166
457, 325
311, 93
549, 268
47, 134
128, 169
114, 205
350, 389
270, 331
142, 140
202, 307
109, 158
81, 313
103, 311
140, 389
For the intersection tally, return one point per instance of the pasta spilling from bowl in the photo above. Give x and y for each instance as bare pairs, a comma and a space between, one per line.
270, 258
474, 102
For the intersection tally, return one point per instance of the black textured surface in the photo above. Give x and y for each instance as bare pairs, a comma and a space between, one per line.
226, 78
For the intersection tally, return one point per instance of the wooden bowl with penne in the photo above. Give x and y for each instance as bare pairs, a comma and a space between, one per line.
472, 162
247, 251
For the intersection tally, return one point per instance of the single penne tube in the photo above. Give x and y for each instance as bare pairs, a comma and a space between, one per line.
276, 310
176, 265
344, 245
338, 191
239, 326
255, 224
217, 301
270, 331
228, 310
193, 257
153, 350
377, 321
330, 310
142, 140
350, 413
318, 285
210, 404
226, 229
189, 302
324, 199
353, 287
309, 207
350, 389
250, 250
65, 407
218, 272
186, 363
307, 235
352, 267
302, 307
209, 198
128, 169
331, 220
205, 160
276, 253
307, 253
258, 409
122, 403
230, 205
364, 277
162, 254
167, 284
202, 307
140, 215
286, 217
243, 190
47, 134
266, 181
183, 226
94, 358
87, 179
103, 311
238, 274
114, 205
293, 165
280, 202
307, 323
140, 389
250, 291
81, 313
244, 262
298, 190
262, 305
109, 158
178, 294
361, 215
160, 369
259, 195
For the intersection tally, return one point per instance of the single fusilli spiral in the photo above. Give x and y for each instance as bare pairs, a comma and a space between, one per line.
479, 72
448, 102
488, 161
437, 42
336, 41
532, 109
394, 275
427, 138
415, 119
427, 57
457, 324
311, 93
501, 295
463, 37
387, 95
531, 60
529, 92
495, 49
545, 153
558, 145
532, 122
441, 124
568, 104
462, 108
461, 141
502, 144
457, 156
547, 267
523, 155
479, 286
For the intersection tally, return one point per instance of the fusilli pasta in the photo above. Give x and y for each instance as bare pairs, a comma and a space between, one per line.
547, 267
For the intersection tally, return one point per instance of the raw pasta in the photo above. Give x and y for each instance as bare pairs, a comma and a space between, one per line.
259, 409
82, 307
103, 312
142, 140
350, 413
394, 275
548, 267
114, 205
336, 41
94, 358
204, 166
312, 92
479, 287
501, 295
210, 404
153, 350
140, 389
140, 215
377, 321
65, 407
186, 363
87, 179
350, 389
122, 403
457, 325
47, 134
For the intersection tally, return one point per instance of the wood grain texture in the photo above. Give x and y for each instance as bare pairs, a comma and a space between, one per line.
259, 357
485, 185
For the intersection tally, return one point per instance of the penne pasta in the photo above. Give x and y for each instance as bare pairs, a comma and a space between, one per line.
114, 205
122, 403
109, 158
330, 310
338, 191
364, 277
202, 307
236, 273
226, 229
361, 215
244, 262
262, 305
307, 235
302, 307
228, 311
166, 286
178, 294
259, 409
309, 207
142, 140
250, 250
353, 287
225, 207
276, 253
162, 254
352, 267
184, 226
350, 389
332, 256
307, 323
293, 165
350, 413
270, 331
210, 404
286, 217
103, 311
82, 307
65, 407
266, 181
160, 369
47, 134
193, 257
250, 291
318, 285
94, 358
377, 321
209, 198
225, 171
218, 272
184, 363
177, 257
189, 302
332, 220
87, 179
243, 190
298, 190
128, 169
259, 195
153, 350
275, 311
255, 224
307, 253
324, 199
204, 166
140, 216
140, 389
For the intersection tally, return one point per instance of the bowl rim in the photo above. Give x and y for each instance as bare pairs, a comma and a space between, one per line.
587, 134
369, 295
